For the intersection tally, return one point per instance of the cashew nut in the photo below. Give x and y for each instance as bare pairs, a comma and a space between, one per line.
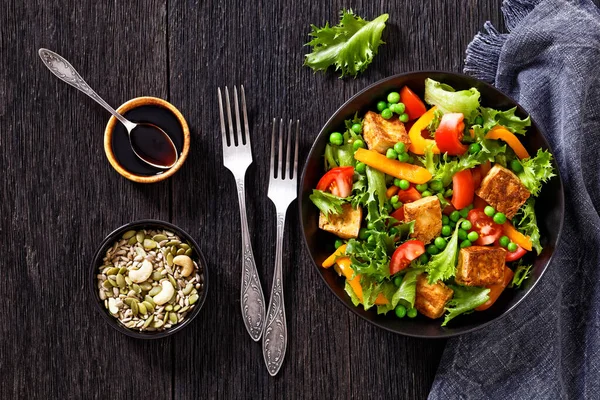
165, 294
141, 274
186, 264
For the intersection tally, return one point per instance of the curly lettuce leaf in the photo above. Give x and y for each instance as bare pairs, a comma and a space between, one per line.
407, 291
442, 266
466, 298
327, 202
536, 171
507, 119
521, 274
376, 188
526, 222
349, 46
371, 259
448, 100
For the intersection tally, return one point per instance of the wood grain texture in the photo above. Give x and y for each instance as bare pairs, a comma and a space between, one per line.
60, 196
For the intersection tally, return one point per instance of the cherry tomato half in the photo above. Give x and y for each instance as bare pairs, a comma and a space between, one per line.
515, 255
338, 181
409, 195
486, 228
463, 189
404, 254
449, 133
414, 106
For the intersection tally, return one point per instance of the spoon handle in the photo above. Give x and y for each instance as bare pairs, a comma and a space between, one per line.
65, 72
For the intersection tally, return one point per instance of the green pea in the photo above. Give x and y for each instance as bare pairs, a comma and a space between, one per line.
338, 243
394, 199
400, 311
391, 154
404, 157
357, 128
448, 193
436, 186
464, 212
400, 148
393, 97
360, 167
427, 193
400, 108
370, 226
404, 184
397, 182
446, 230
358, 144
403, 117
452, 224
465, 243
489, 211
445, 219
386, 113
382, 105
397, 280
432, 249
393, 231
462, 234
472, 236
363, 234
474, 148
504, 241
440, 243
412, 313
479, 120
499, 218
336, 138
512, 247
395, 109
466, 225
424, 258
421, 187
516, 166
454, 216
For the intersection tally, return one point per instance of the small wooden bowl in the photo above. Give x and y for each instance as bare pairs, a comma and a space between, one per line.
112, 123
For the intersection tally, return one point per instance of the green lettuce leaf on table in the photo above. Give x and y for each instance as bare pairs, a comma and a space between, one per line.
536, 171
349, 46
465, 299
448, 100
507, 119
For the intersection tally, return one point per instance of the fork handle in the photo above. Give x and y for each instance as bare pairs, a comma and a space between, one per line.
275, 335
252, 299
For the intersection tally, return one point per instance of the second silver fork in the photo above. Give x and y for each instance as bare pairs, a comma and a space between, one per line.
237, 156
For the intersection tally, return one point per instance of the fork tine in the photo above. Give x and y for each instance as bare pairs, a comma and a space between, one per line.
280, 151
231, 134
287, 152
272, 168
246, 129
223, 131
296, 149
238, 122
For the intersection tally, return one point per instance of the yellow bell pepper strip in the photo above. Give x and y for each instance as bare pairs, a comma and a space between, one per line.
391, 191
418, 144
329, 261
395, 168
354, 281
517, 237
500, 132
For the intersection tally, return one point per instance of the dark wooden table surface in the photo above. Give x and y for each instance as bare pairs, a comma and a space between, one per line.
60, 196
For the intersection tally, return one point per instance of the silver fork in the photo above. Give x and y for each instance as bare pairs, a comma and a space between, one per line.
282, 191
237, 156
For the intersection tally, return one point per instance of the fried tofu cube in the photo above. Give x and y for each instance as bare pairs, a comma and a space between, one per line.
503, 190
480, 266
345, 225
427, 214
380, 134
430, 300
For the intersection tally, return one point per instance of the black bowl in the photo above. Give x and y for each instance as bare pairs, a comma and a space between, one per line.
97, 261
320, 244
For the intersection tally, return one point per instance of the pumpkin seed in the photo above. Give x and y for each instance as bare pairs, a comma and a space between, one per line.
159, 238
122, 270
112, 271
134, 308
154, 291
149, 244
142, 309
148, 306
169, 308
132, 241
173, 250
123, 291
112, 283
188, 289
184, 246
128, 235
107, 284
176, 308
173, 318
156, 275
189, 252
146, 286
140, 236
184, 309
129, 301
173, 242
128, 281
121, 281
170, 259
148, 321
166, 317
136, 288
158, 323
193, 298
172, 280
150, 300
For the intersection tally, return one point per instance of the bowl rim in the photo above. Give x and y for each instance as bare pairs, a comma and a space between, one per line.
445, 335
99, 254
139, 102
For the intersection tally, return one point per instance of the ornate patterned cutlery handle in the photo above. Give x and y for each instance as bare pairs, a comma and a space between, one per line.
252, 299
275, 336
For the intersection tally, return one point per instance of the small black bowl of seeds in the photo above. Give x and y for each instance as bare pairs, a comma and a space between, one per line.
149, 279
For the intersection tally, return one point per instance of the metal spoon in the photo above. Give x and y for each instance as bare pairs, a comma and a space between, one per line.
137, 132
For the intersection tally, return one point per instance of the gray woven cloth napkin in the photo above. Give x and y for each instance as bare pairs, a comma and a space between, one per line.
549, 346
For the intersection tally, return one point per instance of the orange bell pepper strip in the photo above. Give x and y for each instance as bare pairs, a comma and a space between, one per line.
392, 190
354, 281
395, 168
497, 289
418, 144
500, 132
517, 237
329, 261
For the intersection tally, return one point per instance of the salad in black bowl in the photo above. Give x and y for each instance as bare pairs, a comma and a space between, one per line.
426, 200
